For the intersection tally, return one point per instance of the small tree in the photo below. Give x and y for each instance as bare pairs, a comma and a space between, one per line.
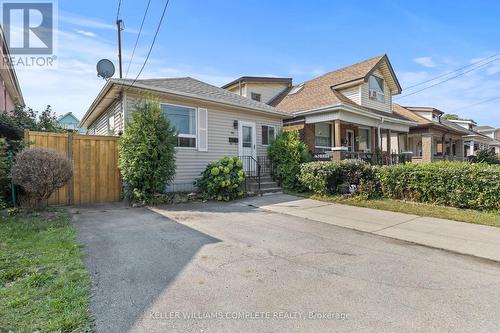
287, 152
486, 156
147, 152
40, 172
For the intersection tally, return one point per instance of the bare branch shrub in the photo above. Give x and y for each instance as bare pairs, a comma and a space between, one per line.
40, 172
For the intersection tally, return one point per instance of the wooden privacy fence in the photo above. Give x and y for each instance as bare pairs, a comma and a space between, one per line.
96, 177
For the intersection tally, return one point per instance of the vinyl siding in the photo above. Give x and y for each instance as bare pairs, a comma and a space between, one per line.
189, 161
374, 104
353, 93
100, 126
267, 90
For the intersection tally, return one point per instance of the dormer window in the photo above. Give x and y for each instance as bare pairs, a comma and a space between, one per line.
376, 88
256, 97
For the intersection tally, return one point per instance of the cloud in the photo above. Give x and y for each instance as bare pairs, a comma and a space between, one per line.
86, 33
86, 22
74, 84
425, 61
458, 95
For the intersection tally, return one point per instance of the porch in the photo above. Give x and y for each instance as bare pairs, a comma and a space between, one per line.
340, 140
432, 147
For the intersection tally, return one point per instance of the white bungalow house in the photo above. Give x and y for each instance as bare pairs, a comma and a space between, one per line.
473, 140
211, 122
346, 113
493, 133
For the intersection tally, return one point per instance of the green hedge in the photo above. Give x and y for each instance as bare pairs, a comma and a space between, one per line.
342, 177
287, 152
222, 180
456, 184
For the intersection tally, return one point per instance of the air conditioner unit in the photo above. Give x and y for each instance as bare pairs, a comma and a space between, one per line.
372, 94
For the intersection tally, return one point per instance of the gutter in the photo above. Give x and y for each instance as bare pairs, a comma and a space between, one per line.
339, 106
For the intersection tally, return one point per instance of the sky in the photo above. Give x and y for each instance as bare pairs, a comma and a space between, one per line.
217, 41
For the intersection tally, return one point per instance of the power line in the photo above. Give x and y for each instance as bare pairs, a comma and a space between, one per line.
448, 79
153, 42
118, 10
137, 39
453, 71
480, 102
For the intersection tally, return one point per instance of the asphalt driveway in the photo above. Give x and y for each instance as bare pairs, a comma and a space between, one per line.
237, 268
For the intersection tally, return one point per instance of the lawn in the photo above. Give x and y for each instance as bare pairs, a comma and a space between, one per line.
43, 283
421, 209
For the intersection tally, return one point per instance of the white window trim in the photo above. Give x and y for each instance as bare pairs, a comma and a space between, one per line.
369, 150
377, 93
331, 125
195, 136
261, 141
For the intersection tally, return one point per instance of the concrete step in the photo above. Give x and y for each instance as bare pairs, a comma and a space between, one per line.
263, 185
271, 190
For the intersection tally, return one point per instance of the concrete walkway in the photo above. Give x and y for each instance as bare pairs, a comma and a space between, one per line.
465, 238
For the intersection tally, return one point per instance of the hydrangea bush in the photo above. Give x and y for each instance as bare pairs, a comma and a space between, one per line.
222, 180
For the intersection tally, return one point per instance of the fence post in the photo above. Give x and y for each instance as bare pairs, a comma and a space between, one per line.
70, 157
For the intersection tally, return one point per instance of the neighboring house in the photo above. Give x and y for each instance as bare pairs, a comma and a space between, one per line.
10, 91
346, 113
493, 133
211, 122
473, 141
430, 139
70, 122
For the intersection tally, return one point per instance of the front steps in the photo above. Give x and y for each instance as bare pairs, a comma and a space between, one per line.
267, 185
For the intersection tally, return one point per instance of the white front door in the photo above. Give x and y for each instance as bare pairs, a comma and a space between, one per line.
247, 144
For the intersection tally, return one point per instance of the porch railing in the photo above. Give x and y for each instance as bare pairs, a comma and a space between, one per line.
368, 157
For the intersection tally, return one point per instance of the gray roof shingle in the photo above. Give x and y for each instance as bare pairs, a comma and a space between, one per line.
191, 87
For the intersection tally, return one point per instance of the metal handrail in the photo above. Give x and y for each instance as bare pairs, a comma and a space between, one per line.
250, 161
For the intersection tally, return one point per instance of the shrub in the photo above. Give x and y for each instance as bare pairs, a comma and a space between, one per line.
40, 172
222, 180
486, 156
147, 152
333, 177
457, 184
287, 152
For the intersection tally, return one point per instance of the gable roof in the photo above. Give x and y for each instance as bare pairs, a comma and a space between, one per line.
185, 87
321, 91
408, 113
465, 130
484, 128
68, 114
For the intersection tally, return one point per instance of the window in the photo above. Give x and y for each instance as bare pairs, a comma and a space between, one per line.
268, 133
183, 119
376, 88
256, 97
111, 123
364, 143
323, 136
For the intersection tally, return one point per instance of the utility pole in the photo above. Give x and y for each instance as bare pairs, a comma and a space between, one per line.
119, 25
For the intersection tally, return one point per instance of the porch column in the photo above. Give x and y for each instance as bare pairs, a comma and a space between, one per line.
388, 133
427, 147
337, 153
471, 149
459, 148
374, 139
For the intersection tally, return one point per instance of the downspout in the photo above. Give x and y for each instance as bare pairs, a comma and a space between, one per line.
379, 135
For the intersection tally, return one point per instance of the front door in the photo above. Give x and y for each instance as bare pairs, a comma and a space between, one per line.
247, 145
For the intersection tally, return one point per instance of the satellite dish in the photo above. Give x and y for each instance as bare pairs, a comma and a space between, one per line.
105, 69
